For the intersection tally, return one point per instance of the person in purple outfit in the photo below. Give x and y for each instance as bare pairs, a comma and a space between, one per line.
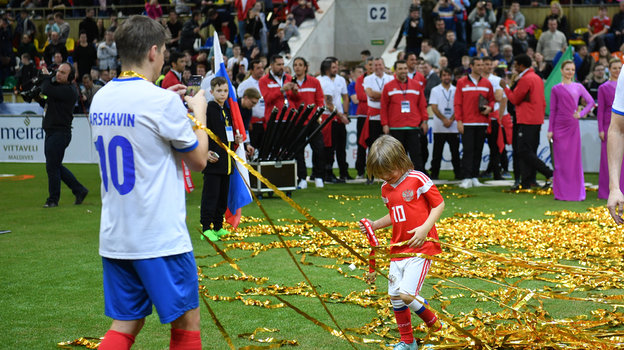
565, 135
606, 95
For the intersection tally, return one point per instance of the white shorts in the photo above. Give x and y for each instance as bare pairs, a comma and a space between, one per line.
407, 276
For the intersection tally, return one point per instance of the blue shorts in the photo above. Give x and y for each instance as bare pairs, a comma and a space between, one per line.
131, 287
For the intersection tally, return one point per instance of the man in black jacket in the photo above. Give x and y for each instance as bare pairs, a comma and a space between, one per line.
62, 96
613, 39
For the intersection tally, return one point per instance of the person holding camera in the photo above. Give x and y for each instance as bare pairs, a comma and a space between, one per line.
481, 18
57, 121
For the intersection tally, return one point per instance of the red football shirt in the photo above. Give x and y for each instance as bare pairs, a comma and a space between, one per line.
410, 201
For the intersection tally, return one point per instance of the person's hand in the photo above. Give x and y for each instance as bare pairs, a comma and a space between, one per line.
602, 136
238, 138
425, 127
196, 30
577, 115
503, 83
179, 89
197, 103
487, 110
319, 11
250, 150
344, 119
386, 129
447, 122
392, 50
460, 127
44, 70
362, 228
419, 238
255, 52
615, 205
213, 157
549, 136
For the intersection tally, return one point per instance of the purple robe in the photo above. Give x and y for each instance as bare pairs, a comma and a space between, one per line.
568, 178
606, 95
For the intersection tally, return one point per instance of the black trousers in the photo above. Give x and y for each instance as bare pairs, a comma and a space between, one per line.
318, 158
439, 139
256, 133
529, 162
494, 165
411, 141
214, 200
55, 143
360, 160
472, 140
374, 131
339, 148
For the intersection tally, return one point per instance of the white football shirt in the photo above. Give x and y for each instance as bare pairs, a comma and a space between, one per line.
138, 130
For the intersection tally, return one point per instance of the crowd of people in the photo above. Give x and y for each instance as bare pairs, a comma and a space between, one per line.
449, 48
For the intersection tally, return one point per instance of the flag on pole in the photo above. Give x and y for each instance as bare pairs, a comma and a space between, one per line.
238, 194
555, 76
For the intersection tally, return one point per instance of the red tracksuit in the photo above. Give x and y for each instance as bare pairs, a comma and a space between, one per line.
392, 98
270, 91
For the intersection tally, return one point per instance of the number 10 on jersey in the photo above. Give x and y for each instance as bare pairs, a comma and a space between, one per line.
398, 213
112, 163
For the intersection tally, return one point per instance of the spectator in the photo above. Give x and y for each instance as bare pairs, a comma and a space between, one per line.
63, 27
373, 85
302, 11
107, 52
583, 62
104, 77
454, 50
530, 105
250, 49
226, 47
412, 69
460, 19
112, 25
25, 25
292, 3
87, 92
101, 29
565, 135
509, 24
501, 37
597, 29
51, 27
335, 86
25, 74
551, 41
190, 32
474, 101
433, 79
438, 37
290, 29
404, 113
85, 55
442, 63
520, 42
174, 76
175, 27
238, 63
556, 12
597, 78
242, 13
54, 46
89, 26
444, 125
256, 130
429, 54
483, 44
481, 18
57, 59
614, 37
413, 29
279, 46
541, 67
446, 11
95, 76
507, 55
153, 9
494, 52
253, 26
26, 46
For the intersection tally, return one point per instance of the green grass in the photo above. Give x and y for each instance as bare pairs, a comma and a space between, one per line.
51, 272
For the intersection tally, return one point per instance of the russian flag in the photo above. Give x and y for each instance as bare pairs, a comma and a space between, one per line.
238, 195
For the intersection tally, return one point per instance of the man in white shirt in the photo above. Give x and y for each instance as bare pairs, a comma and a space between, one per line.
551, 41
444, 125
496, 117
373, 85
256, 129
335, 85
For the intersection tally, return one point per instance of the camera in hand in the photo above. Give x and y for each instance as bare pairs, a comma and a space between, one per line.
35, 91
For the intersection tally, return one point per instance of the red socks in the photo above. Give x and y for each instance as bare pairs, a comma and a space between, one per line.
404, 322
185, 340
114, 340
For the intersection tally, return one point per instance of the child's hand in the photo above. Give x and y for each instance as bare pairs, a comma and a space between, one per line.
420, 235
370, 277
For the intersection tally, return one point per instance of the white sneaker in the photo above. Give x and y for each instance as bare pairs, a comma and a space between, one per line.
476, 183
466, 183
319, 183
360, 177
303, 184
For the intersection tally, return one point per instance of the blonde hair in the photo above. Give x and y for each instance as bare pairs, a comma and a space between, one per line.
558, 5
566, 62
387, 155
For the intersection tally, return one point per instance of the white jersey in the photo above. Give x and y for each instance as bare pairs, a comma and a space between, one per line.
143, 200
495, 81
258, 110
377, 84
335, 88
618, 102
444, 100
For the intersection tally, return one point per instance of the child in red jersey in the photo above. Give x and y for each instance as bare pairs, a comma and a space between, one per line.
414, 205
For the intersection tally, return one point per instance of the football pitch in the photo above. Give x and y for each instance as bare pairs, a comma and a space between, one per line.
518, 270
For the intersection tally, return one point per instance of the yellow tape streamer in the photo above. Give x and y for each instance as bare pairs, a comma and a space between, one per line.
224, 333
87, 342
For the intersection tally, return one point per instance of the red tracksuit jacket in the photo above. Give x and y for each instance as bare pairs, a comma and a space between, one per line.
394, 95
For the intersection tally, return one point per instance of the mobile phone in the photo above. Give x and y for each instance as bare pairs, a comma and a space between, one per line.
194, 84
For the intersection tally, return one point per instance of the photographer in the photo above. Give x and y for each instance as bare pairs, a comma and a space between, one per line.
61, 97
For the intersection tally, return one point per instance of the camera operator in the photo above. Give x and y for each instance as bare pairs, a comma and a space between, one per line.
61, 97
